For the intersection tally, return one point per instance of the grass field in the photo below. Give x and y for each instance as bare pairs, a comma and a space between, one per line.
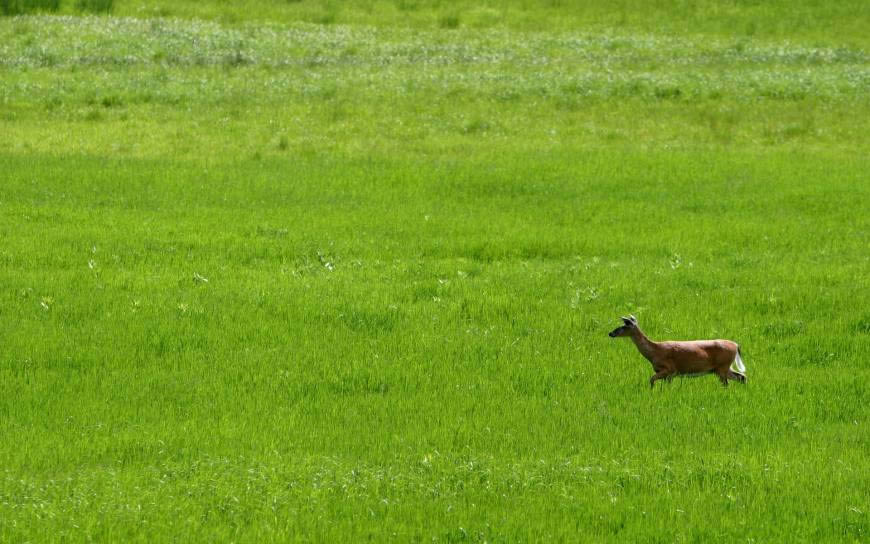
344, 271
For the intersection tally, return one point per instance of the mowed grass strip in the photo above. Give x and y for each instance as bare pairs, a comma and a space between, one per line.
154, 88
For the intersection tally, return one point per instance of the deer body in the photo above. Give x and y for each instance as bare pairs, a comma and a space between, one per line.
689, 358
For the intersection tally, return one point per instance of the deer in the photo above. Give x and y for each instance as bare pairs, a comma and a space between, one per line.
687, 358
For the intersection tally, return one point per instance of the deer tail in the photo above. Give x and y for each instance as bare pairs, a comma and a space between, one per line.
737, 365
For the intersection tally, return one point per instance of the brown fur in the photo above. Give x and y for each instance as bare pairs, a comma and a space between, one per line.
692, 357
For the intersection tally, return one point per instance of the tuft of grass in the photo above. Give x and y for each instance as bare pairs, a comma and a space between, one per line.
283, 143
449, 21
19, 7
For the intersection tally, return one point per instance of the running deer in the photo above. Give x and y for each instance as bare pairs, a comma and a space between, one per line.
692, 358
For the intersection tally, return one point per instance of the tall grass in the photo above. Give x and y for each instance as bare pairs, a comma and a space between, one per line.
284, 347
17, 7
20, 7
270, 281
95, 6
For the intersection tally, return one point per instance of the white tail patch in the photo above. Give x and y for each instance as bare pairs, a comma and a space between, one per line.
737, 365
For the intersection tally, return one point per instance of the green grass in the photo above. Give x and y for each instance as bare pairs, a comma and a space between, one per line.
149, 88
811, 21
264, 279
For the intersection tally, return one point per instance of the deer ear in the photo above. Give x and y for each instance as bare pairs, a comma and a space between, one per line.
633, 319
626, 320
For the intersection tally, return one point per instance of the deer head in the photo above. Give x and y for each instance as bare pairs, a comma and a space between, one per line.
630, 324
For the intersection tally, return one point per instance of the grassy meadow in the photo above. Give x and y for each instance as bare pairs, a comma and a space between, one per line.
343, 271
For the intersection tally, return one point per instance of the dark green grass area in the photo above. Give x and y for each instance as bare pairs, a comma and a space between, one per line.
348, 347
811, 21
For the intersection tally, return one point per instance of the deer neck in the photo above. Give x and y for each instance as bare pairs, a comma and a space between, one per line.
645, 346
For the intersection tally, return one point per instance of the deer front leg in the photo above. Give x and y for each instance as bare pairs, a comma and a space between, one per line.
658, 376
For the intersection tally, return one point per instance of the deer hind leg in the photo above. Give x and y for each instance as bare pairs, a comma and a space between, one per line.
736, 376
723, 376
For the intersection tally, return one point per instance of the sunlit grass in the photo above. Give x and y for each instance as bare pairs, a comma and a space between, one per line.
268, 281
